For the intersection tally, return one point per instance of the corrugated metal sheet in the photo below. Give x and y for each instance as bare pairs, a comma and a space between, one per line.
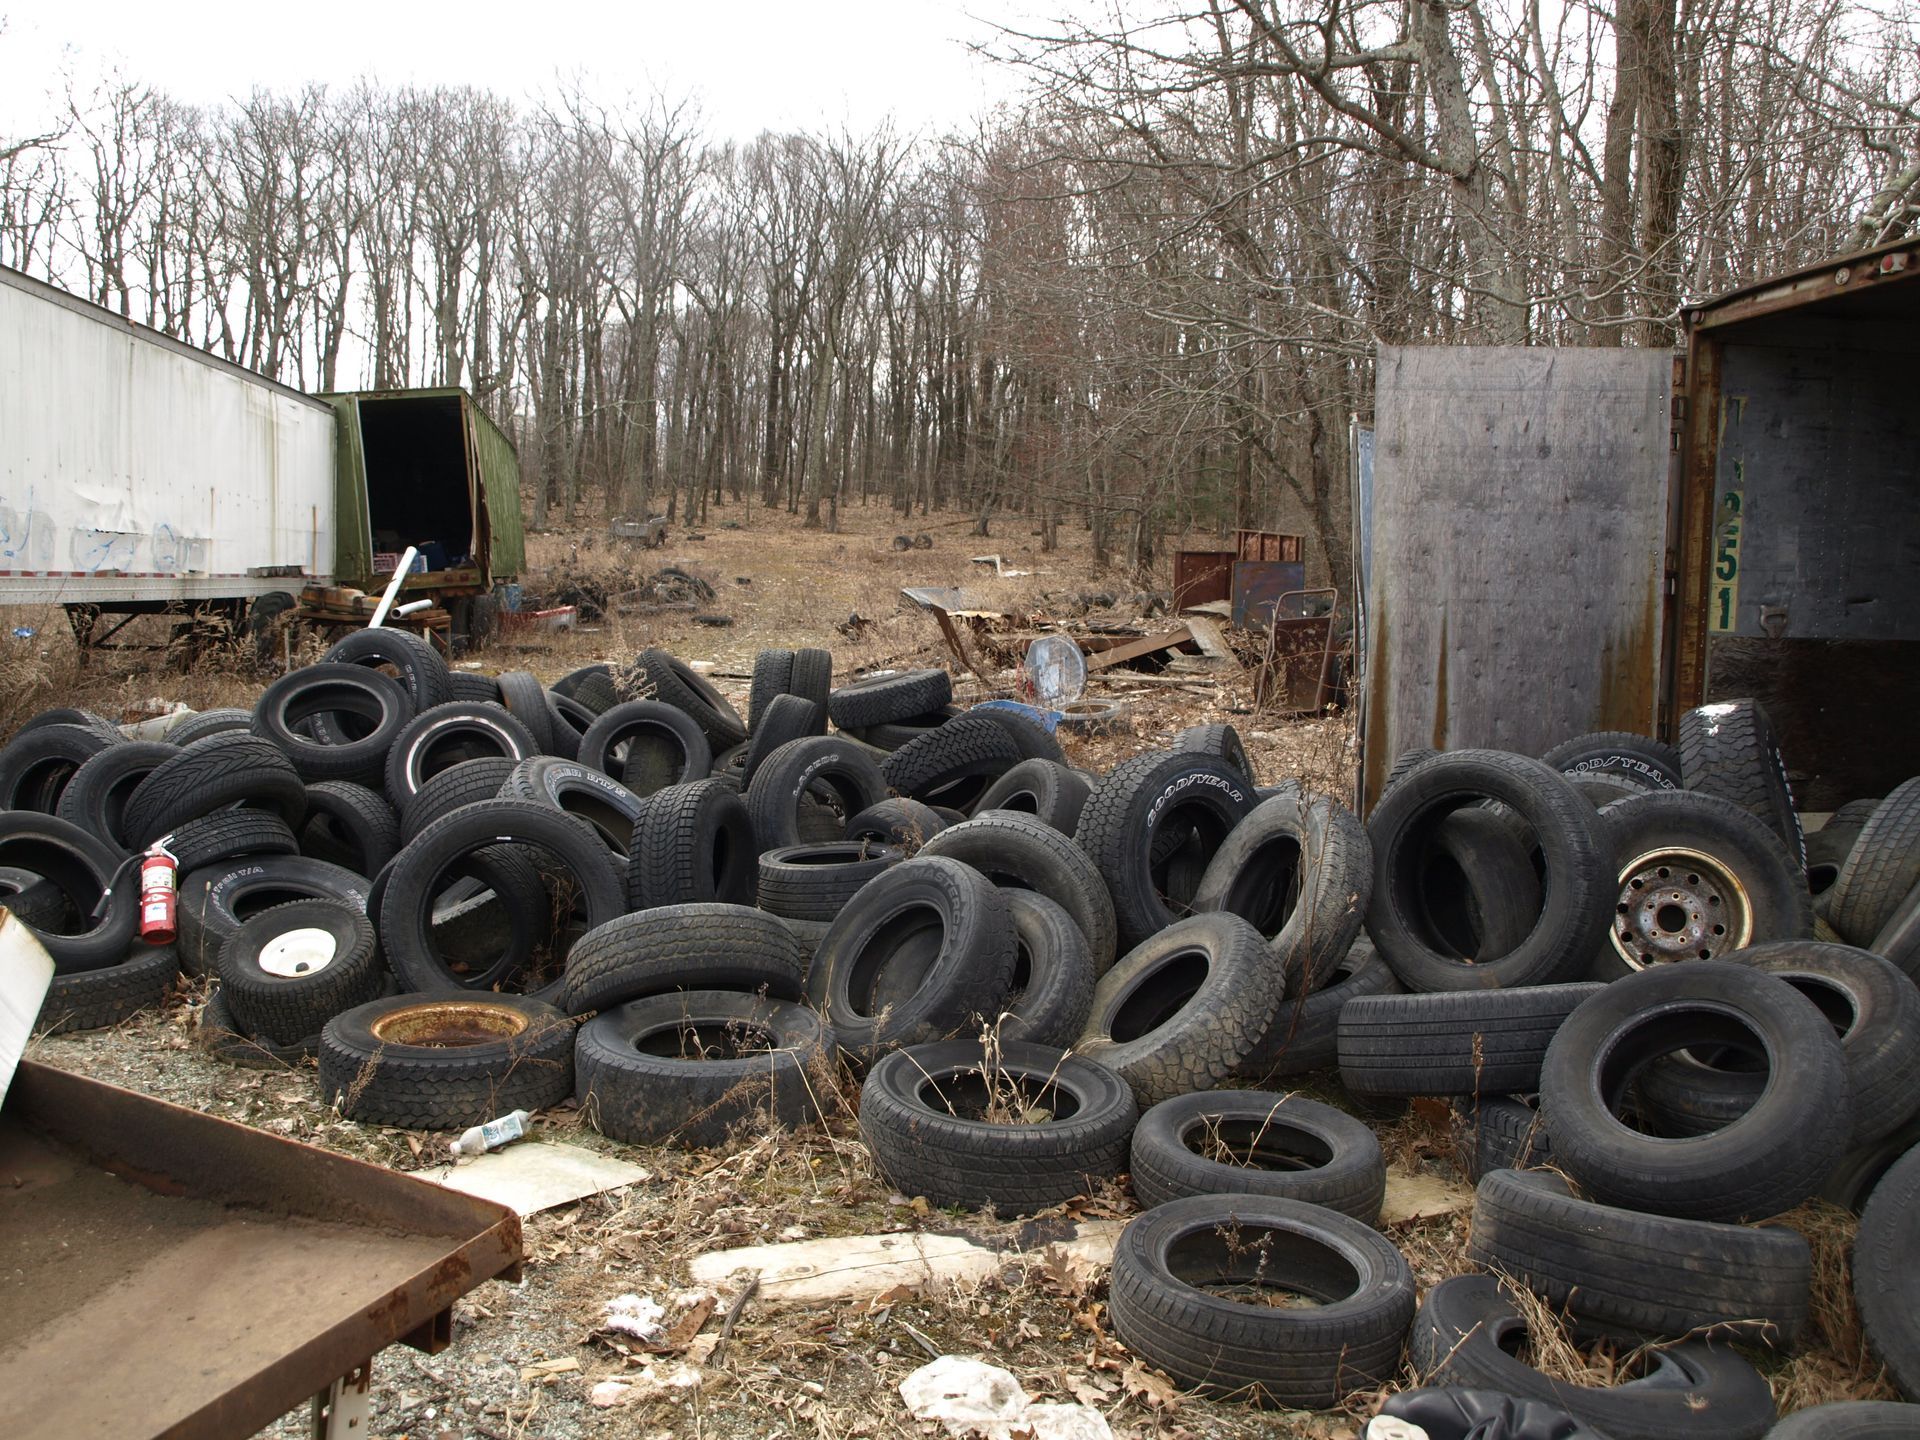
128, 459
1519, 547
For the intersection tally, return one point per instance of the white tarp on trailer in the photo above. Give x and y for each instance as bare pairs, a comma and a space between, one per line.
133, 467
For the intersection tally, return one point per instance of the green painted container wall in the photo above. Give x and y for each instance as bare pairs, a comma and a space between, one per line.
490, 455
499, 466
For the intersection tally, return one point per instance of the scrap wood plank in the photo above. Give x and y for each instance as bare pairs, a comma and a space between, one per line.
1134, 649
862, 1266
1213, 644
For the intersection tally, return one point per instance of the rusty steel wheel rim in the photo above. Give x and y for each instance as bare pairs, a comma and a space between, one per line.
1679, 904
448, 1024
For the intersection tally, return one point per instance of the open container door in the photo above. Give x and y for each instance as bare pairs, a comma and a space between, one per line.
1517, 549
1801, 511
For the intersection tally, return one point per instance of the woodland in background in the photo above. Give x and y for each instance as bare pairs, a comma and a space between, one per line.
1142, 299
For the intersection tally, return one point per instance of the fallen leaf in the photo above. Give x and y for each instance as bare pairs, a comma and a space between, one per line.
1143, 1384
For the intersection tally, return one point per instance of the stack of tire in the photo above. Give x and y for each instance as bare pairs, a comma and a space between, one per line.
469, 896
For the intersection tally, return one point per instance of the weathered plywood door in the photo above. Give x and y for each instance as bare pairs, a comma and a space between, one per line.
1518, 548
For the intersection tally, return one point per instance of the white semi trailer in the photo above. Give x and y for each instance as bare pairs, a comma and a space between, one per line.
139, 475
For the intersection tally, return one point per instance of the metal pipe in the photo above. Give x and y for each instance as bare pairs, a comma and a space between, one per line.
393, 587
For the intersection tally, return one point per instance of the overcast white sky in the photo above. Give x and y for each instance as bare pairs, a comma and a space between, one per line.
754, 64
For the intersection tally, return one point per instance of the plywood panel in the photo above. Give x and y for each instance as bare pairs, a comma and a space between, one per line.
1518, 547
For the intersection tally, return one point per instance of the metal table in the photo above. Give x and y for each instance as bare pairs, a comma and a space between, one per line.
167, 1273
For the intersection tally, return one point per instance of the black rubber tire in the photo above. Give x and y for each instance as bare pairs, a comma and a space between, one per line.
211, 775
343, 969
468, 783
674, 683
421, 671
1727, 749
1051, 993
1874, 1009
1095, 717
1882, 867
1284, 1145
1643, 831
682, 947
1883, 1273
475, 689
524, 698
602, 803
812, 676
647, 746
70, 715
1620, 758
82, 869
1171, 1031
220, 1035
1300, 870
445, 736
752, 1062
568, 846
1030, 737
100, 999
692, 844
1223, 742
1044, 789
497, 914
924, 1116
1456, 1043
906, 823
1851, 1184
897, 733
1020, 852
923, 951
378, 704
889, 698
36, 902
95, 797
801, 775
1577, 902
208, 723
571, 721
772, 677
349, 825
1850, 1420
1304, 1034
1304, 1358
1468, 1333
787, 717
570, 684
1777, 1155
954, 765
1627, 1276
1477, 892
230, 835
1498, 1132
815, 882
1828, 849
215, 900
37, 765
378, 1076
1404, 764
1144, 811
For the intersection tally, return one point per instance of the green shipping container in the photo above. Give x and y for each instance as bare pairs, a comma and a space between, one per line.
425, 468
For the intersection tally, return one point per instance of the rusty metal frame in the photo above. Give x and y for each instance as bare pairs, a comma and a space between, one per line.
172, 1151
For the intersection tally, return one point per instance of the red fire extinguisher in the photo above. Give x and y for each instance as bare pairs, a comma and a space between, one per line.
158, 870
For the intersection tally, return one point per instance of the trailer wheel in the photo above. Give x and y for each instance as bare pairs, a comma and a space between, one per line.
267, 620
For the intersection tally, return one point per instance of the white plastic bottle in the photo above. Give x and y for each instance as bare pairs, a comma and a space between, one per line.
493, 1134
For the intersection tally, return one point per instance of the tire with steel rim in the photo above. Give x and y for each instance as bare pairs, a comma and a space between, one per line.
444, 1062
1695, 878
291, 968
